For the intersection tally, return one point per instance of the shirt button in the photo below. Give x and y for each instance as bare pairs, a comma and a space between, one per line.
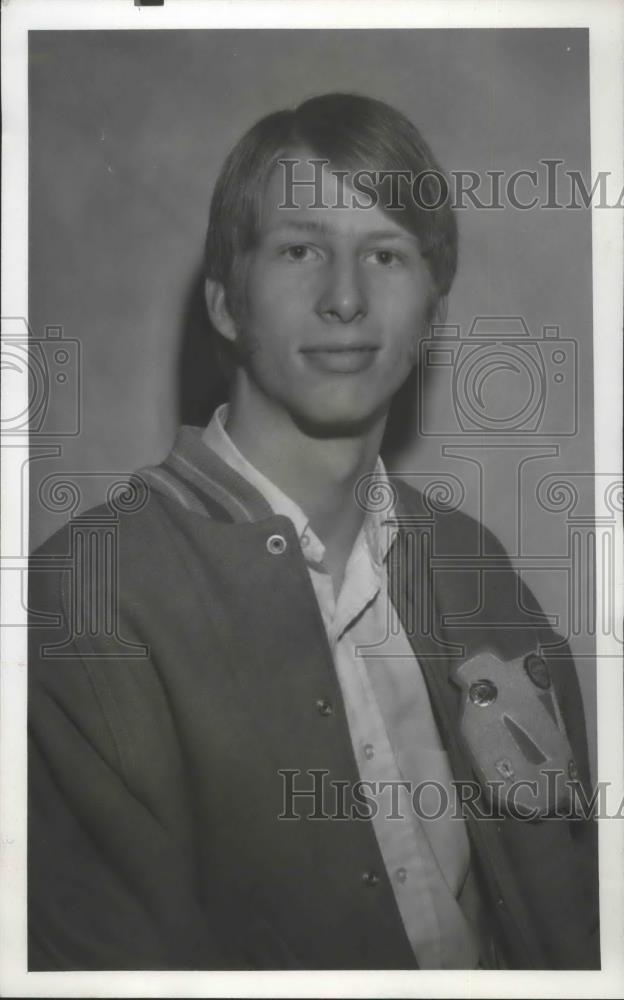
369, 751
370, 878
324, 706
276, 544
401, 874
305, 541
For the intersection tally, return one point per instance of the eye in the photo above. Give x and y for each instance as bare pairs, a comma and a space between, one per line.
299, 252
386, 258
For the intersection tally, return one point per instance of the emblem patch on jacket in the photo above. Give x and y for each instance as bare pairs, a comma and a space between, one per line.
512, 728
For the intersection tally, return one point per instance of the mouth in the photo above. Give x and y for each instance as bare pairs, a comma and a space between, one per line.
342, 359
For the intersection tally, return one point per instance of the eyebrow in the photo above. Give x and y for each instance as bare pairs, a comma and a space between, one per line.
317, 226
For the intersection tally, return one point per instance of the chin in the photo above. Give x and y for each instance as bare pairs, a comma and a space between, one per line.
337, 422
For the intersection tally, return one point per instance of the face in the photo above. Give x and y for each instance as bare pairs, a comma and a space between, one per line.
336, 302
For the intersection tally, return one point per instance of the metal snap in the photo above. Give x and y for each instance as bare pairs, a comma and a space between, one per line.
483, 693
324, 706
276, 544
505, 768
537, 670
370, 878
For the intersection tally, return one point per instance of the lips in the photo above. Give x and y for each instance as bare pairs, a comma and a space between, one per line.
341, 358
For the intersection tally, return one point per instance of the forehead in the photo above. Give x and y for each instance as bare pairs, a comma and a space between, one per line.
303, 195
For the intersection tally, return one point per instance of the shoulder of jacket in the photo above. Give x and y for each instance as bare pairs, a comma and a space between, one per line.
455, 530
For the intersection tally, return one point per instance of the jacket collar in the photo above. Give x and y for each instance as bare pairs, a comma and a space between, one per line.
194, 475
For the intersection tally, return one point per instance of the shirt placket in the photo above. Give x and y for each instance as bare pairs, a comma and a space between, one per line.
397, 839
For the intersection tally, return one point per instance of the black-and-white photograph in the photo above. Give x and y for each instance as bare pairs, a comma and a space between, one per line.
318, 546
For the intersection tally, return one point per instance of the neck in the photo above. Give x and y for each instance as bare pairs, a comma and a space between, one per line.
319, 473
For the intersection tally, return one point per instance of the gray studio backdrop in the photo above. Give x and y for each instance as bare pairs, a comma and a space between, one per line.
127, 133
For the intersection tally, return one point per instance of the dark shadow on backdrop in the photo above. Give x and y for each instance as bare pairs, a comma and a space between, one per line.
202, 387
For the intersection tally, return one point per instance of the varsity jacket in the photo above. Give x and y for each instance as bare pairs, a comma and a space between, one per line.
179, 667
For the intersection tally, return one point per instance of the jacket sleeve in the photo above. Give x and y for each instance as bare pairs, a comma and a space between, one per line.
561, 868
111, 881
582, 826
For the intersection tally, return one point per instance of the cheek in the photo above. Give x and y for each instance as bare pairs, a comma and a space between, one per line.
406, 323
274, 304
402, 296
266, 335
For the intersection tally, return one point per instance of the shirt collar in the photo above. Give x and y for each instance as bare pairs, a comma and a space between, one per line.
373, 530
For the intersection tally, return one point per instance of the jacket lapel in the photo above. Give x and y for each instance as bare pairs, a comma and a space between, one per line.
409, 568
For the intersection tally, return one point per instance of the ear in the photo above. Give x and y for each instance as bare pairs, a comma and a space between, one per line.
218, 311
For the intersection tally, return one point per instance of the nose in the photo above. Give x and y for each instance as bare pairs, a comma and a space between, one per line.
343, 297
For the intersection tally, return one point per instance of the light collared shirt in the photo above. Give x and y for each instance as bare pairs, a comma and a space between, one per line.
393, 732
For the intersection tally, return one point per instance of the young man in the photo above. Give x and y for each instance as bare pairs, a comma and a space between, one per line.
249, 784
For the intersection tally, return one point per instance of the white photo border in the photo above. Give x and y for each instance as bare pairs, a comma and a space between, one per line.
605, 21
